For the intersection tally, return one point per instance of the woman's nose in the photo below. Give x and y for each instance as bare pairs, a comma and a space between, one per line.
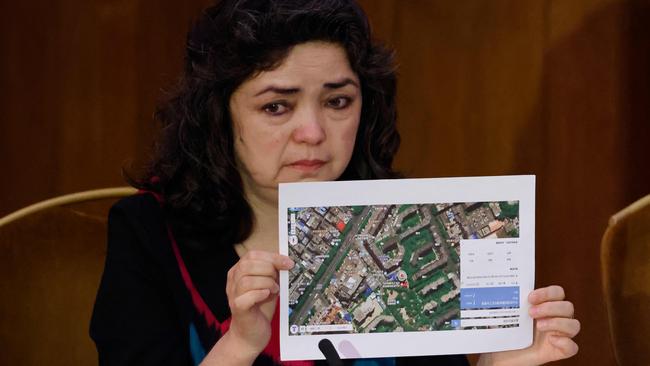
309, 126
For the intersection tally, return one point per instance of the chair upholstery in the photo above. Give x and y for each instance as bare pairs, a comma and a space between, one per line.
625, 267
50, 265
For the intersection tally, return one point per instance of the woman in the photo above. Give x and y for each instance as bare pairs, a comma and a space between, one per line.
273, 91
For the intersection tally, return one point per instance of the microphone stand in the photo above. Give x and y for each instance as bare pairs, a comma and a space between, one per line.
332, 357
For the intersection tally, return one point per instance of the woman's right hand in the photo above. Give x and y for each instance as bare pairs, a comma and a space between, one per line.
252, 288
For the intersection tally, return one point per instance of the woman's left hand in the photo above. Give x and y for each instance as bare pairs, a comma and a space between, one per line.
554, 329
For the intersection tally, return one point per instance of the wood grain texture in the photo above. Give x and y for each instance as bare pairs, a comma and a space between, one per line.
555, 88
470, 76
79, 82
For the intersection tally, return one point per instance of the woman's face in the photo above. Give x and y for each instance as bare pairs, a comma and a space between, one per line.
297, 122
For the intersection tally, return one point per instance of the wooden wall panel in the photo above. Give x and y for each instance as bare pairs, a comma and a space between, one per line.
98, 92
555, 88
583, 181
79, 82
469, 87
594, 136
69, 97
28, 97
382, 15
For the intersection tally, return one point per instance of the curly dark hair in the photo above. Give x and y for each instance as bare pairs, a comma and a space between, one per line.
194, 165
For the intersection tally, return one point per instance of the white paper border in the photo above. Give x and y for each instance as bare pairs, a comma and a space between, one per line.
395, 191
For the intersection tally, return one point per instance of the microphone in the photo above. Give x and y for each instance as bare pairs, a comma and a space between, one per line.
332, 357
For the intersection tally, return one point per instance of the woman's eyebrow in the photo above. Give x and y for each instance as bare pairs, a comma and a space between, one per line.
278, 90
292, 90
340, 84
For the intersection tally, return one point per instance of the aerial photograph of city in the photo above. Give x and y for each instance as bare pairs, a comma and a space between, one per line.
385, 268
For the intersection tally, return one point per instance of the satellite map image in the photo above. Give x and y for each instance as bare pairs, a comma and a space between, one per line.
391, 268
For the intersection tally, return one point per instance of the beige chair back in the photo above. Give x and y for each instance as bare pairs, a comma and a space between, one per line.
625, 267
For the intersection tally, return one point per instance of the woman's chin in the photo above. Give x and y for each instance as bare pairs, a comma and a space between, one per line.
322, 174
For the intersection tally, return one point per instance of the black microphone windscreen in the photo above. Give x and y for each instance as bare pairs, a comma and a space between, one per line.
332, 357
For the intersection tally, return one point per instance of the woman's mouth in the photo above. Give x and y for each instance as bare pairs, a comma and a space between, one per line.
307, 165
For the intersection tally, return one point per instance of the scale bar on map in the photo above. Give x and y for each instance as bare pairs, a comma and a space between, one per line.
329, 328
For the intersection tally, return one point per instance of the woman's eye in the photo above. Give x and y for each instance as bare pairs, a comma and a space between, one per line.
339, 102
275, 109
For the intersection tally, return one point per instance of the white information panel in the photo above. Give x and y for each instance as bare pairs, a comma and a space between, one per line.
407, 267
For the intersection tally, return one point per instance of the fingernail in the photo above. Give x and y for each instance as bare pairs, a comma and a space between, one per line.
533, 311
542, 324
289, 263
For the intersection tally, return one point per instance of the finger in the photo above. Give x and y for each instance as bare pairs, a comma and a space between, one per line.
568, 327
249, 299
281, 262
254, 267
566, 346
249, 283
249, 267
229, 279
544, 294
552, 309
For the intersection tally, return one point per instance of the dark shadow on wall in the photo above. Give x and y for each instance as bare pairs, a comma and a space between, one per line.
635, 90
